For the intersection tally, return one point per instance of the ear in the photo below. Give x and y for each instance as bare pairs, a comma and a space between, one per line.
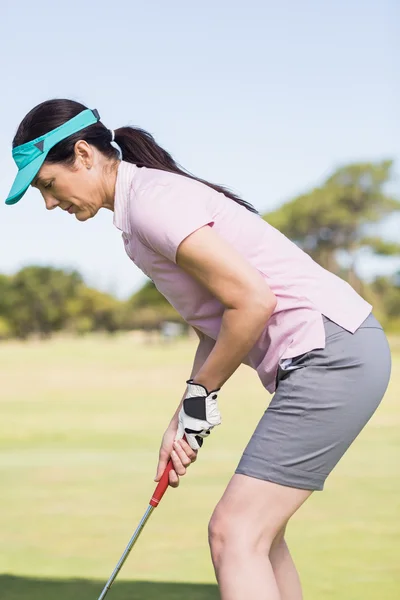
84, 154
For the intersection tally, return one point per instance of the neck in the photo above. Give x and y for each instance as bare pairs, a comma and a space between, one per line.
109, 183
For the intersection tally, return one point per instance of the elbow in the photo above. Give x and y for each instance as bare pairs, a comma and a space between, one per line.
272, 304
268, 306
263, 305
255, 302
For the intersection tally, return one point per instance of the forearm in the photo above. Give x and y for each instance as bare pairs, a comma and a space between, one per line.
240, 330
203, 351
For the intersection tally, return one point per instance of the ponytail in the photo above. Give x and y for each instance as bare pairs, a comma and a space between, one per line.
139, 147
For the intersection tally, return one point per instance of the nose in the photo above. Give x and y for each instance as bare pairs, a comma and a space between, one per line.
50, 201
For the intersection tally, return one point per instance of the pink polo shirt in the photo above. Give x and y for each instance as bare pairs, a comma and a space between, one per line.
157, 210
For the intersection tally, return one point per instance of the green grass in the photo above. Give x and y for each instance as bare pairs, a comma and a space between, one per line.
80, 427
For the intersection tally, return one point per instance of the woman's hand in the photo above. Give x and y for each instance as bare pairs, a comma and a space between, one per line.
198, 415
181, 454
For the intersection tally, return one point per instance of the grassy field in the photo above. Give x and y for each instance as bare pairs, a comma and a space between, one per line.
80, 426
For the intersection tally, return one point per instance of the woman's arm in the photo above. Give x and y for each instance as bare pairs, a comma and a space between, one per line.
203, 351
183, 455
249, 303
248, 300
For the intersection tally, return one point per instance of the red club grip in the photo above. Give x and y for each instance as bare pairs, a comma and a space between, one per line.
162, 484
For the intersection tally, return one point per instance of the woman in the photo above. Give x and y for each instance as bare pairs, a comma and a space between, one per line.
253, 297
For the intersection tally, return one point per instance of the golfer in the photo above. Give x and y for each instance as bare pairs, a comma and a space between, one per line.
253, 297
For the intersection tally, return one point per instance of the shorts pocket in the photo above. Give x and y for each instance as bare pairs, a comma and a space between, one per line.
297, 362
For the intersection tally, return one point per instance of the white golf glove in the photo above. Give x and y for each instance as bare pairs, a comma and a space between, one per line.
198, 415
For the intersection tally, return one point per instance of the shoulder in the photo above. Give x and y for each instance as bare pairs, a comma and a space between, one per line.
153, 182
161, 195
165, 208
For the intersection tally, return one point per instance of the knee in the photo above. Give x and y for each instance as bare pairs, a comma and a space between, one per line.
236, 536
217, 534
221, 537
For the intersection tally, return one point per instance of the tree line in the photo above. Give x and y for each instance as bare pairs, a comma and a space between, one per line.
39, 301
334, 223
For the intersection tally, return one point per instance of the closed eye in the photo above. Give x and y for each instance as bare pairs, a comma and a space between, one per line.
48, 185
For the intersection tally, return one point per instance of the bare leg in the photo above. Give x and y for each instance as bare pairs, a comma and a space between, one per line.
286, 576
242, 530
247, 575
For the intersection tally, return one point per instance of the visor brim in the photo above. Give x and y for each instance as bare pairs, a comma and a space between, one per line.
23, 180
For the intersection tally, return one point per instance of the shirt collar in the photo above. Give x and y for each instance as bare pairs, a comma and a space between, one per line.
123, 189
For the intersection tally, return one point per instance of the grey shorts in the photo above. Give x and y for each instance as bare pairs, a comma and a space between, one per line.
320, 406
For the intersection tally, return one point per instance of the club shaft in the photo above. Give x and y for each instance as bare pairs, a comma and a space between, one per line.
126, 552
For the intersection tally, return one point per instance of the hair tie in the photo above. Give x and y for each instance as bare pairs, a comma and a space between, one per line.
114, 143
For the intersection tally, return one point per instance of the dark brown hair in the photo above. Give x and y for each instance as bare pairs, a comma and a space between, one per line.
137, 146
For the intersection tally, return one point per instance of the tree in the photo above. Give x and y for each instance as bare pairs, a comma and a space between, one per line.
384, 294
337, 215
92, 310
7, 301
148, 308
40, 299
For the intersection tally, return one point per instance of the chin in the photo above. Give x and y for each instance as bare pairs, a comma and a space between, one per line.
83, 215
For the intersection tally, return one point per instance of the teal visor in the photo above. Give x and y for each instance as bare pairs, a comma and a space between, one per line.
30, 157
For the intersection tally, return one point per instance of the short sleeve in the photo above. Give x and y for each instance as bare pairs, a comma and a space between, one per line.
163, 215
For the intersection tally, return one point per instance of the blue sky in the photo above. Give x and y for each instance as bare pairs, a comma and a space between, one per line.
264, 97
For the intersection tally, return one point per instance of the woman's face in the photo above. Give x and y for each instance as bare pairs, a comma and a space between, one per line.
80, 189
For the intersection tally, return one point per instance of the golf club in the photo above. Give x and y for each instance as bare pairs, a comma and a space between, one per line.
154, 502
